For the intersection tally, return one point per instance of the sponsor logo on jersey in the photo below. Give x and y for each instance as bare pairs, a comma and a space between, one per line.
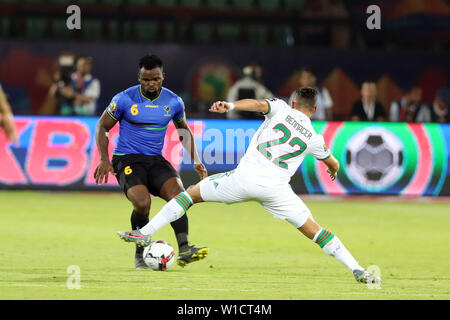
151, 106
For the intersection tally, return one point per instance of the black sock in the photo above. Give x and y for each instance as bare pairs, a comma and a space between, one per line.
181, 227
138, 220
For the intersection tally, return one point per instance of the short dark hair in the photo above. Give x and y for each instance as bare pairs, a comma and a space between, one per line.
306, 97
149, 62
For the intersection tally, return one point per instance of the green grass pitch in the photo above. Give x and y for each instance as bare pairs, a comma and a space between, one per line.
253, 255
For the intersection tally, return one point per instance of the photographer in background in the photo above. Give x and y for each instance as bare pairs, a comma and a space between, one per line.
248, 87
77, 92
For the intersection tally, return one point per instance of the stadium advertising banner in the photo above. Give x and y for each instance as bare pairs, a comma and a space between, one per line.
376, 158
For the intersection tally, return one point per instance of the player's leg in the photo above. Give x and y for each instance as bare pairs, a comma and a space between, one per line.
285, 204
169, 190
165, 182
223, 187
139, 196
132, 177
333, 246
187, 253
172, 211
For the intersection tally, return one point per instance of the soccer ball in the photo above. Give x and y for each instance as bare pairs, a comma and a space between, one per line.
374, 158
159, 255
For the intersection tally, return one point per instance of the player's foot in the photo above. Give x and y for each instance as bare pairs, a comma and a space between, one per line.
365, 276
135, 236
139, 263
191, 254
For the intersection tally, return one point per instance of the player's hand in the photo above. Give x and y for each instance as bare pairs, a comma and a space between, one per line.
219, 107
102, 171
333, 175
7, 123
201, 170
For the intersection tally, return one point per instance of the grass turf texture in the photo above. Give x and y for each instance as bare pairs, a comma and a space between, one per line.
253, 255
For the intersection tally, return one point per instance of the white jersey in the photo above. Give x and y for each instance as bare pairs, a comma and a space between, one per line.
279, 146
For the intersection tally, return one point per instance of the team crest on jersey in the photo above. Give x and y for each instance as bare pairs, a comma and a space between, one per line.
167, 110
113, 107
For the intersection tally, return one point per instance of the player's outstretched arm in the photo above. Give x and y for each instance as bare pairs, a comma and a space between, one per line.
104, 167
188, 142
241, 105
333, 166
6, 118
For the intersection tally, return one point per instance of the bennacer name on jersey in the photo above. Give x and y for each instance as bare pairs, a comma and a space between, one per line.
297, 126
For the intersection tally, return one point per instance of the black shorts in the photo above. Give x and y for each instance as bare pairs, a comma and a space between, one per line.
136, 169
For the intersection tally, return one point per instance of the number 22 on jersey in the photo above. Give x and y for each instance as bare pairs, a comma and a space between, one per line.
280, 161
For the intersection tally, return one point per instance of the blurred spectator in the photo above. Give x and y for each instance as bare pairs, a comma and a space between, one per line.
307, 78
248, 87
6, 118
410, 108
441, 105
368, 109
78, 93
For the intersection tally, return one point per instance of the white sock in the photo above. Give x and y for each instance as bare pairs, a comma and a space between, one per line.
331, 245
171, 211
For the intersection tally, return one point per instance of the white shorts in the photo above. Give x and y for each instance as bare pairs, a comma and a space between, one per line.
235, 186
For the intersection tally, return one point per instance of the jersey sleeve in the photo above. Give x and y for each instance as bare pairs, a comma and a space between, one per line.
116, 107
275, 105
318, 148
179, 110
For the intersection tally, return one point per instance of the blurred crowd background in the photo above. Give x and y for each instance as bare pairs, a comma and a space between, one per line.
228, 50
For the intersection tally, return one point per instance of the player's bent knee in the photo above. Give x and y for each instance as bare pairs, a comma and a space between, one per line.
142, 204
171, 188
194, 193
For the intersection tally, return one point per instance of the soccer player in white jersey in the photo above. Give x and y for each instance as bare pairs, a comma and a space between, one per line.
275, 152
